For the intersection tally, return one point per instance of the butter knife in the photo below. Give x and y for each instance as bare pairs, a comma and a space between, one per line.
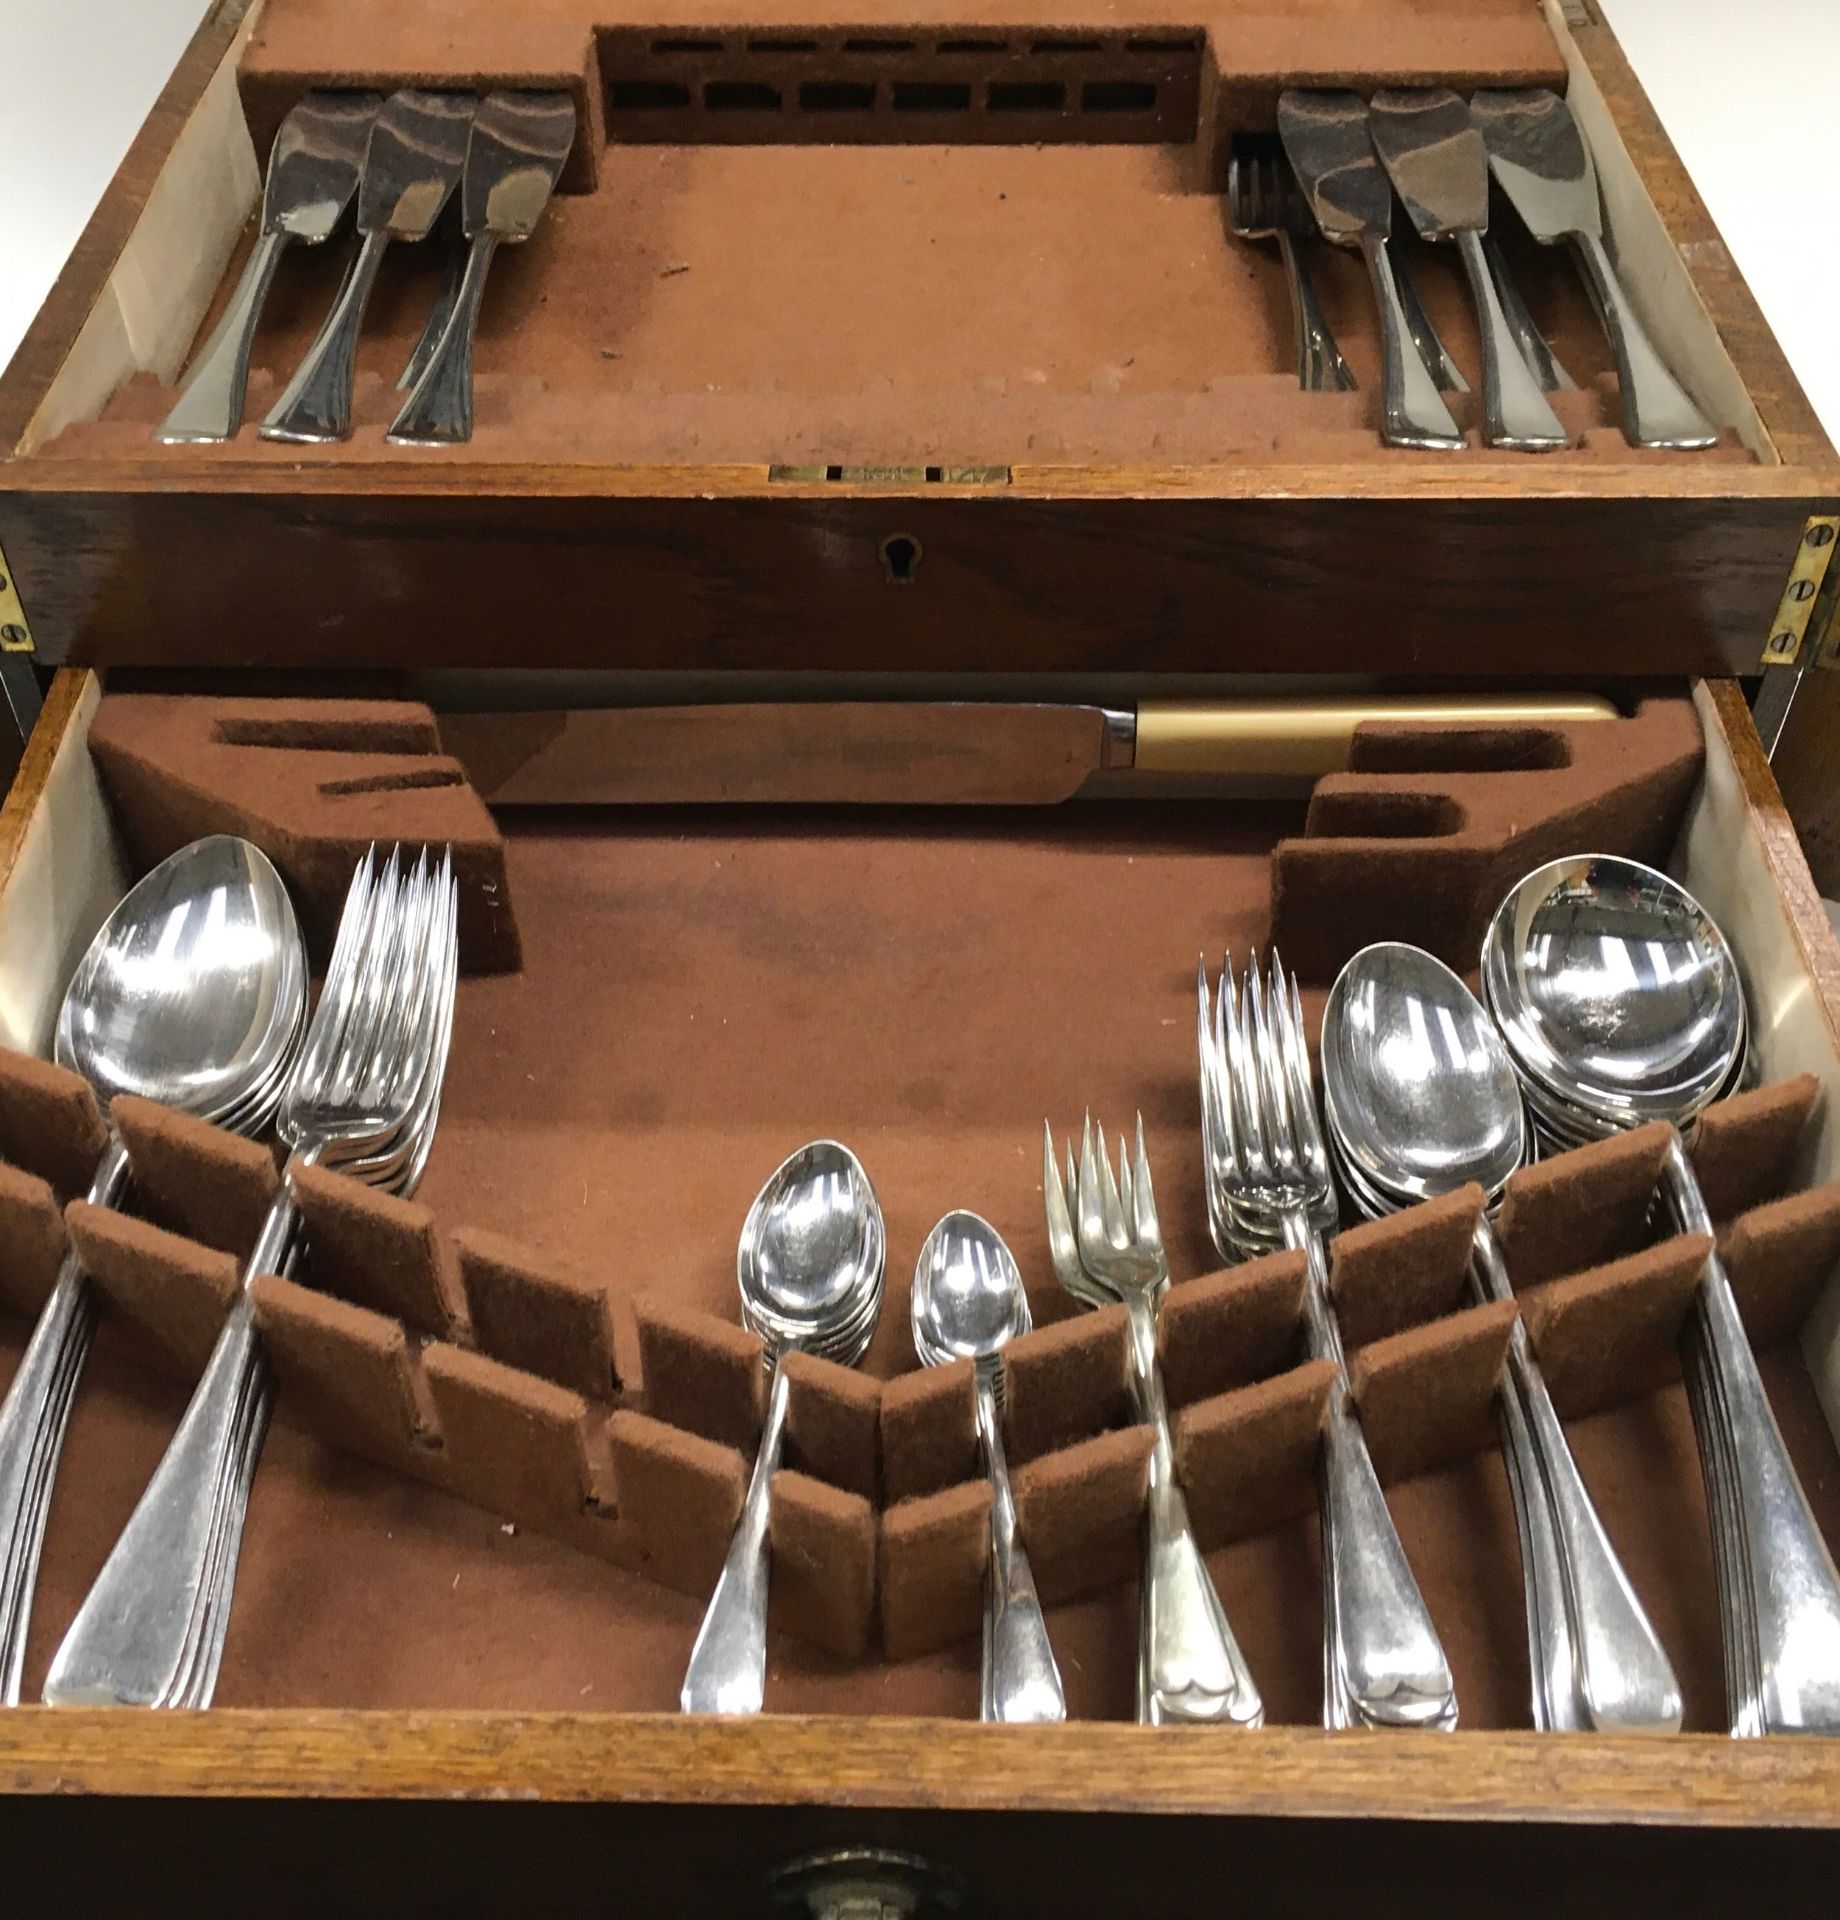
312, 174
1326, 138
1440, 170
1542, 164
417, 147
514, 157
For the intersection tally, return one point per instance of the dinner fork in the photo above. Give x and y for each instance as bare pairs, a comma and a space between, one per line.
1190, 1667
362, 1097
1264, 202
1383, 1664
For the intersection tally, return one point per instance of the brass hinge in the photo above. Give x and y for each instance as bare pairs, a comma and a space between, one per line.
1805, 616
15, 634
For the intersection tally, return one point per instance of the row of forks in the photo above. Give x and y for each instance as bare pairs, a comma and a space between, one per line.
362, 1097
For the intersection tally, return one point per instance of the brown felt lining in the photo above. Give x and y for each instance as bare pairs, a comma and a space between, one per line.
728, 981
1054, 298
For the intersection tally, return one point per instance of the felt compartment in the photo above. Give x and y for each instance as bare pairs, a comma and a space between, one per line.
547, 1332
749, 271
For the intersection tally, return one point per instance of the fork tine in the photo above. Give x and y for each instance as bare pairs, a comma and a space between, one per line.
403, 1052
410, 955
1110, 1204
342, 993
1297, 1063
1127, 1204
1146, 1228
1095, 1237
1063, 1247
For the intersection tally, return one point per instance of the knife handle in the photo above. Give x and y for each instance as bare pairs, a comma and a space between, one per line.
1414, 413
1656, 409
1515, 413
1304, 739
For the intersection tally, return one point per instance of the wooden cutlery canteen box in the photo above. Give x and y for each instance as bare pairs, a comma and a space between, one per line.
886, 433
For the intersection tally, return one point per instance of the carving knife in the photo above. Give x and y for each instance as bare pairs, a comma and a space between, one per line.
944, 753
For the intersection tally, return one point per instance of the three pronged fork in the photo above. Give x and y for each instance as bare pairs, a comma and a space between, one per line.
362, 1097
1264, 202
1190, 1667
1270, 1186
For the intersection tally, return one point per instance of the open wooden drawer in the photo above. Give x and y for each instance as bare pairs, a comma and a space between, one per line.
957, 389
425, 1706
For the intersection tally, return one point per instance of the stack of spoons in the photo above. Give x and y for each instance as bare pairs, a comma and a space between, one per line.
1620, 1003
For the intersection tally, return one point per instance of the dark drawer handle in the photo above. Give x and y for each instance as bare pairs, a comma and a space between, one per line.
865, 1883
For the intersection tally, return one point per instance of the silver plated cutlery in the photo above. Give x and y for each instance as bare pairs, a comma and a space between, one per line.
413, 163
1326, 139
1264, 202
1540, 161
362, 1097
1107, 1248
1440, 170
968, 1303
313, 171
194, 994
1421, 1097
1620, 1002
514, 156
1269, 1186
810, 1268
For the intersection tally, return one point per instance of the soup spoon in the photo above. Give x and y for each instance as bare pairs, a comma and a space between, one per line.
810, 1269
1422, 1096
193, 993
1619, 997
968, 1303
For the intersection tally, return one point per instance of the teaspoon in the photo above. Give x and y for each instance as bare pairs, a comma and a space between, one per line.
810, 1269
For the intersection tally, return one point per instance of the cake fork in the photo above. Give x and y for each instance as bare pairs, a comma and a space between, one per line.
1264, 202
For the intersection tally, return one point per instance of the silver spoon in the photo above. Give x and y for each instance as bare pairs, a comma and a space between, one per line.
968, 1303
1423, 1097
1614, 989
192, 994
810, 1269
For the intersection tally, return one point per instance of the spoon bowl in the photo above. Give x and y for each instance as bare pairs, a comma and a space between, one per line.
968, 1298
812, 1254
1421, 1094
194, 990
1617, 996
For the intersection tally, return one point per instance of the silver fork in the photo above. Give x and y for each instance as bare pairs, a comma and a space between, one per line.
1264, 202
1383, 1662
363, 1097
1190, 1667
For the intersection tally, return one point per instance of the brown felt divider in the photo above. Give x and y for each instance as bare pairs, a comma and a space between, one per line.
1429, 828
934, 1550
313, 783
378, 1251
676, 1498
1425, 1394
1610, 1332
197, 1179
1231, 1328
32, 1240
824, 1558
551, 1323
700, 1373
833, 1424
1246, 1457
1585, 1207
929, 1431
1079, 1510
1066, 1382
50, 1124
349, 1373
1744, 1147
1779, 1256
1388, 1275
173, 1291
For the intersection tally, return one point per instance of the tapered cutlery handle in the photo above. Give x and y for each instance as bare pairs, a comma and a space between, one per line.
316, 404
210, 405
1657, 411
728, 1664
1623, 1673
1789, 1573
1023, 1682
1414, 413
439, 410
1546, 366
130, 1640
1193, 1667
1558, 1707
1515, 412
1320, 366
33, 1419
439, 313
1392, 1660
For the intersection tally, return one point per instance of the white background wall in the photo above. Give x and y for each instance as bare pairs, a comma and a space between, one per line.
1748, 93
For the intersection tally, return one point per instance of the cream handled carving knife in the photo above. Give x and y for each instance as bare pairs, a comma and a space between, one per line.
943, 753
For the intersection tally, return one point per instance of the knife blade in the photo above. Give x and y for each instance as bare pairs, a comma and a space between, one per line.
943, 753
1540, 161
1326, 139
1440, 169
417, 148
